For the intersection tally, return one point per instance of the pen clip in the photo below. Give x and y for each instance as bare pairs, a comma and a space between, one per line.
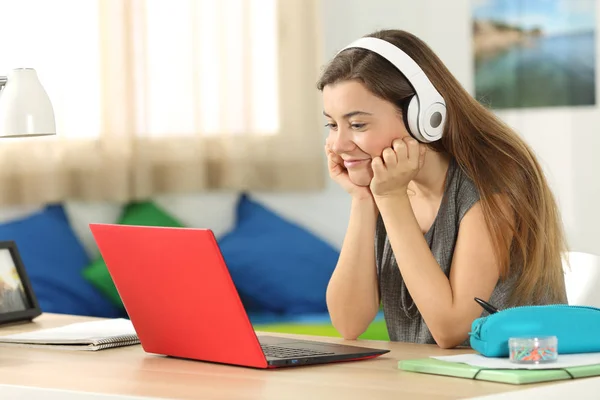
486, 306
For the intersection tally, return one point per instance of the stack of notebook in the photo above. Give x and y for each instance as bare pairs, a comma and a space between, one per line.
95, 335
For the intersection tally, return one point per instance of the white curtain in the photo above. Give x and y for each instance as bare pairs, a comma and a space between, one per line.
163, 96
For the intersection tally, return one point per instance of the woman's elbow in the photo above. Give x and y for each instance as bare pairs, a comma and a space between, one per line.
350, 336
446, 344
348, 332
448, 340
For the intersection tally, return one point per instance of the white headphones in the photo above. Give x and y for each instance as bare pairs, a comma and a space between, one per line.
426, 113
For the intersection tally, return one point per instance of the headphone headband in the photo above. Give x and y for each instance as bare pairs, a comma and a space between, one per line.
431, 108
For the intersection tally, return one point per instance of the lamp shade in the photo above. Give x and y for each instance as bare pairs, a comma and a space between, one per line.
25, 108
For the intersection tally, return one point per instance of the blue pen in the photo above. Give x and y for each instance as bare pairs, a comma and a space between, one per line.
486, 306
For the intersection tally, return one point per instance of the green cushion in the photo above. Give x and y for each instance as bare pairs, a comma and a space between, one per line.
143, 213
376, 331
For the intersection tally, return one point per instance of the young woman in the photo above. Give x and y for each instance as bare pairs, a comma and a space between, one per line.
433, 225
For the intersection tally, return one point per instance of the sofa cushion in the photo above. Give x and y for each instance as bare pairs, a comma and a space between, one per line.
80, 213
142, 213
54, 258
214, 210
276, 265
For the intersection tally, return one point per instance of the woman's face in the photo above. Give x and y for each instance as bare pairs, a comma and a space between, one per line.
361, 125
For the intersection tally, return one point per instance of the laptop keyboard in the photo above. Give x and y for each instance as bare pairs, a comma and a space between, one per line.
290, 352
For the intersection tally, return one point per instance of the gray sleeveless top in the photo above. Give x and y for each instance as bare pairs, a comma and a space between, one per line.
403, 320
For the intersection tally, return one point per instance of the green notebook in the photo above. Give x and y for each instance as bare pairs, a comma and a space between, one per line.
512, 376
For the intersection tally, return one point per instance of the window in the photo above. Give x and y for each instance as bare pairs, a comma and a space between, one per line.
166, 95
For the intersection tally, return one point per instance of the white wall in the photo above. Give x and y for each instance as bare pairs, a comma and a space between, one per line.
566, 140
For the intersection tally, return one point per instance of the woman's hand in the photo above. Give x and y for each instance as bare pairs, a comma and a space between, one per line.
339, 174
396, 167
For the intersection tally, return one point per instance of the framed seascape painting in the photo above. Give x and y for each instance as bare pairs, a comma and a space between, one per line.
534, 53
17, 299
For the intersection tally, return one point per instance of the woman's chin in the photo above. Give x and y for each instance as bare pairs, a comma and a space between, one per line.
361, 178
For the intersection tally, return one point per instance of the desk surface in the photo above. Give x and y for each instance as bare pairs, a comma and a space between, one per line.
131, 371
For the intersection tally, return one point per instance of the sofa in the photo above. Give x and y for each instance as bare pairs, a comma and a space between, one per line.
280, 267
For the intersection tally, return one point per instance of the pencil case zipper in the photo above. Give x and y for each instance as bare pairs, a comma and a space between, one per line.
480, 322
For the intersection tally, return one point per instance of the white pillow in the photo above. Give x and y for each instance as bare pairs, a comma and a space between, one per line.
210, 210
81, 214
10, 214
324, 214
215, 210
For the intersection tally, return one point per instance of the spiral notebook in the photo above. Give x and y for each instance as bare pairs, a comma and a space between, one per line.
93, 335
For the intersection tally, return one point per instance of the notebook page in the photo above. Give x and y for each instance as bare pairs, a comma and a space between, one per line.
564, 361
77, 333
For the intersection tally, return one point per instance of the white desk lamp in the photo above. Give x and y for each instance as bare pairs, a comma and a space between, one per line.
25, 108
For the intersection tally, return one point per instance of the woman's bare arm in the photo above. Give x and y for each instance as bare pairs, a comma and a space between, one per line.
352, 294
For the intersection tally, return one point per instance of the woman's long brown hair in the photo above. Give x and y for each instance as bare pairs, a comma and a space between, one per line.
529, 239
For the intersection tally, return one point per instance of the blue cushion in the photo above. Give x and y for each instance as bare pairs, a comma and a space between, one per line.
54, 259
276, 265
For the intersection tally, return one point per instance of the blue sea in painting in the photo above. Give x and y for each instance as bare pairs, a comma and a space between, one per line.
543, 72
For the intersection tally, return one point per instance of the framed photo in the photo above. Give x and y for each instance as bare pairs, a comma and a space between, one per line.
17, 299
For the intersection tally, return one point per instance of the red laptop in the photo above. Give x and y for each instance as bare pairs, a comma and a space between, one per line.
182, 301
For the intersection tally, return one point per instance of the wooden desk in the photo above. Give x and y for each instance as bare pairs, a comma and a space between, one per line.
130, 371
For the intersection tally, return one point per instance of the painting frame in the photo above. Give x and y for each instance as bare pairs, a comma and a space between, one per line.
32, 307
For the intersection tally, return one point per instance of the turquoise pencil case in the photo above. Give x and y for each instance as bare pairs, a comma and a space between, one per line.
576, 327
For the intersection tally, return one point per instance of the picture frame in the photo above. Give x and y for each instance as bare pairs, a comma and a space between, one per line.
18, 302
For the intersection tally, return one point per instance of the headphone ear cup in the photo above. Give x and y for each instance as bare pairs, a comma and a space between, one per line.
411, 118
405, 105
